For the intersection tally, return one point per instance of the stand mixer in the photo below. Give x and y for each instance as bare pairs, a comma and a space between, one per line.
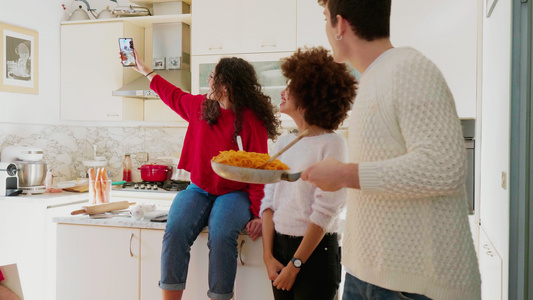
31, 169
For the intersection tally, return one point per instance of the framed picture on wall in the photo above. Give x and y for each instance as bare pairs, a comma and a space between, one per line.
158, 63
489, 6
19, 59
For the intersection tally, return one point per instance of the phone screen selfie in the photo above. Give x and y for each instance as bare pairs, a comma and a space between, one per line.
126, 52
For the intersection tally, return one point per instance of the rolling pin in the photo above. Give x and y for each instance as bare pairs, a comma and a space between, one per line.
102, 208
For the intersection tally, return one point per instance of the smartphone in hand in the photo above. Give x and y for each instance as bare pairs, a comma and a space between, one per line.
127, 55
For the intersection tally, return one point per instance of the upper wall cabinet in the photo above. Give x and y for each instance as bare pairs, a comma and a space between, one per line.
452, 45
311, 22
91, 70
243, 26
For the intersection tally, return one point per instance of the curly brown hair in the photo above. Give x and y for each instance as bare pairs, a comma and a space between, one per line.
323, 88
244, 91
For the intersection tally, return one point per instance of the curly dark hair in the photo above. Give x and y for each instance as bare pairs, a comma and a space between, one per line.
324, 88
240, 79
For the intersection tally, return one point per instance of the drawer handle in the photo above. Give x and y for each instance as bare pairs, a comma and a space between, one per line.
240, 252
131, 238
216, 48
269, 45
112, 115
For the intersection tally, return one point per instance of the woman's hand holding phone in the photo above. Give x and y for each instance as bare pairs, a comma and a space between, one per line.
141, 66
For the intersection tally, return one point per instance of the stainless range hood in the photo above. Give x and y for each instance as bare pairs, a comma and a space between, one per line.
140, 87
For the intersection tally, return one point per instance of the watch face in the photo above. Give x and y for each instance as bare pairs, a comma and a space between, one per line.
297, 263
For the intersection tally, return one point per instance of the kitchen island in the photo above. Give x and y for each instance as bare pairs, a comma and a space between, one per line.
120, 258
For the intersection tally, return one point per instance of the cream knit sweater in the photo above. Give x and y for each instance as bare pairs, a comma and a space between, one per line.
407, 227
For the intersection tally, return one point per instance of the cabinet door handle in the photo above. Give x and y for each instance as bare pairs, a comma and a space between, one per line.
131, 238
112, 115
216, 48
269, 45
240, 252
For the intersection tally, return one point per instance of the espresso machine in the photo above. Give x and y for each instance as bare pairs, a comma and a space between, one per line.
9, 180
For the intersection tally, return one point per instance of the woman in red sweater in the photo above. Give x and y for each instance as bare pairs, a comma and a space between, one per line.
234, 106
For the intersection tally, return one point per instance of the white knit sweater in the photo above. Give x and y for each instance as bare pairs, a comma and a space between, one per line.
407, 227
296, 204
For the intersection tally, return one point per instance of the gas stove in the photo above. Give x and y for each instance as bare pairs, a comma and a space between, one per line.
145, 190
148, 186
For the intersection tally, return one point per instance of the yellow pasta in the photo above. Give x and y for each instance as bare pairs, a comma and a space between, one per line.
248, 160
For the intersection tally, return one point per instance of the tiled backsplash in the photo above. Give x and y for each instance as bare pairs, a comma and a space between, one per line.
65, 147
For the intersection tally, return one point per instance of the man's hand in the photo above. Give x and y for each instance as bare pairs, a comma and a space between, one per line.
331, 175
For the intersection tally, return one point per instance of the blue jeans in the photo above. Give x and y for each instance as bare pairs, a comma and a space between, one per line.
356, 289
192, 210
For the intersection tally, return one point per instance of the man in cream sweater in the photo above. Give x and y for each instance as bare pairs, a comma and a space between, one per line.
407, 234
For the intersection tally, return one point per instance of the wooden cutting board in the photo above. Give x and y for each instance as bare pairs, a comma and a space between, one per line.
78, 188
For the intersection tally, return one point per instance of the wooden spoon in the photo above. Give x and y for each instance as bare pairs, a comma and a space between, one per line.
299, 137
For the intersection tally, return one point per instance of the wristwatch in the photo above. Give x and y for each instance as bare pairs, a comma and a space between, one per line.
296, 262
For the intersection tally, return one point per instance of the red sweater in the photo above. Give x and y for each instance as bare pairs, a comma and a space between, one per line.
203, 142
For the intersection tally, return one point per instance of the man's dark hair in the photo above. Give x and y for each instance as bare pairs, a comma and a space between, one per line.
369, 19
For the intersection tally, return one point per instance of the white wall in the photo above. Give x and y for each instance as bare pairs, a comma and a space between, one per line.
44, 17
495, 128
446, 32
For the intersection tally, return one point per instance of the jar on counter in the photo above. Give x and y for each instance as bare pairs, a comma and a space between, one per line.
126, 168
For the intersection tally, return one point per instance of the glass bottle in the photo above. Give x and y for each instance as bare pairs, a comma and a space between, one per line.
126, 168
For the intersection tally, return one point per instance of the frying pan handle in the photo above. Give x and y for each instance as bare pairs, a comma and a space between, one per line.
299, 137
77, 212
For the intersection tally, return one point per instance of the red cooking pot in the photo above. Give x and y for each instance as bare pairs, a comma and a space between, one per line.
154, 172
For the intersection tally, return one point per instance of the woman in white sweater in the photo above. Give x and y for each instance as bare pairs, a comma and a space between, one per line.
300, 222
407, 234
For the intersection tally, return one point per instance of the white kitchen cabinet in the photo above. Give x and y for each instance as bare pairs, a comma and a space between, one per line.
151, 241
491, 268
243, 26
452, 46
97, 262
252, 279
311, 25
151, 246
91, 70
28, 238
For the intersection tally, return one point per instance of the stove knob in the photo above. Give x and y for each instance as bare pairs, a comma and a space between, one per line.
136, 186
148, 187
155, 187
142, 186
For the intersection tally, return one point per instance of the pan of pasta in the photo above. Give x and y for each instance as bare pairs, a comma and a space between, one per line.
243, 166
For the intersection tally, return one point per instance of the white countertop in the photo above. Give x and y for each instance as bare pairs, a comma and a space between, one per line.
48, 199
119, 221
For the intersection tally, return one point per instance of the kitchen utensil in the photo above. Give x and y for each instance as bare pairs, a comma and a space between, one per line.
250, 175
131, 11
21, 152
31, 173
179, 174
77, 15
299, 137
78, 189
239, 143
106, 14
154, 172
102, 208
